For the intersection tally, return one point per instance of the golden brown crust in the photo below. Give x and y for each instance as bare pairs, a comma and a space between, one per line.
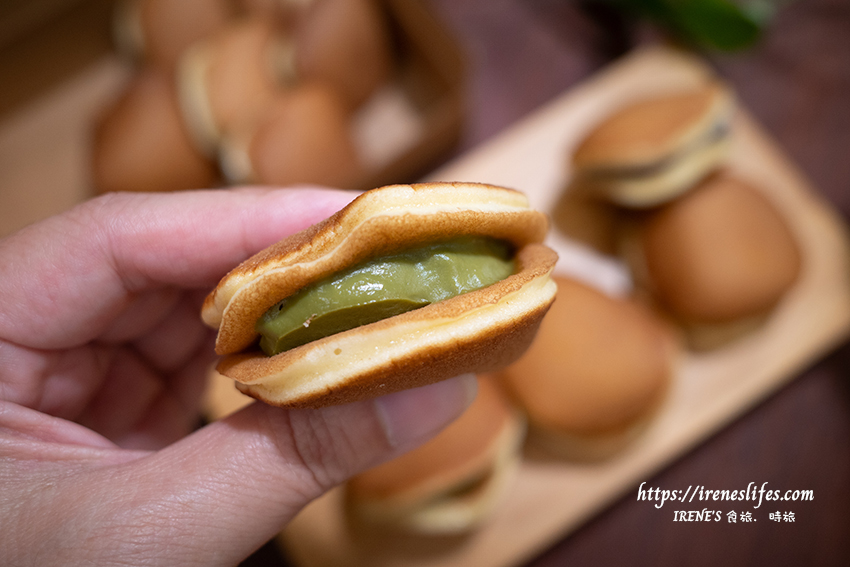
653, 129
375, 223
454, 481
345, 45
721, 253
141, 144
598, 365
473, 332
461, 451
305, 137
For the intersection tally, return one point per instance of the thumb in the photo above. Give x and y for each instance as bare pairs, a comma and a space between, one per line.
225, 490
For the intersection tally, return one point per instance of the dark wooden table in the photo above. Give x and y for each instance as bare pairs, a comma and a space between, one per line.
796, 82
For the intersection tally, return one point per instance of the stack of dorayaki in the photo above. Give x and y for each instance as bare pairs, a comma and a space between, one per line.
453, 483
705, 244
710, 254
240, 91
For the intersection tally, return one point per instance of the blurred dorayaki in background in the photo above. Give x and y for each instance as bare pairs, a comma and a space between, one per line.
453, 483
706, 248
594, 376
247, 91
718, 260
655, 149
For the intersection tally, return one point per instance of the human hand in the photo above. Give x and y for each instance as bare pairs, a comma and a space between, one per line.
103, 360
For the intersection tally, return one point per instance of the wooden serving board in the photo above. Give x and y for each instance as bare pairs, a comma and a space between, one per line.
550, 498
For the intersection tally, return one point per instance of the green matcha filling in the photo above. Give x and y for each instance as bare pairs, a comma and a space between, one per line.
384, 287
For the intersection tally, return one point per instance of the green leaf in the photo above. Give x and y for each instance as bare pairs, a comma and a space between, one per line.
713, 24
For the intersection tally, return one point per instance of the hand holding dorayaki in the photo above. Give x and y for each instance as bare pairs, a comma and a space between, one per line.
407, 285
104, 359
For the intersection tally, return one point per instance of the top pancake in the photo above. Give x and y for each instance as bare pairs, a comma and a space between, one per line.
654, 129
376, 223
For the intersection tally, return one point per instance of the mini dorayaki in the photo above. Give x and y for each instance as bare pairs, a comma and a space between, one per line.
303, 137
159, 31
453, 483
718, 259
344, 44
141, 144
657, 148
596, 372
229, 80
405, 286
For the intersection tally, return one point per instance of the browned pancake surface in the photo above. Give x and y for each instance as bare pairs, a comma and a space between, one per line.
597, 365
653, 129
721, 252
473, 332
462, 450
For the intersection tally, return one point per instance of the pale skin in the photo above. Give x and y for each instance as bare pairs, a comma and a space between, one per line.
103, 359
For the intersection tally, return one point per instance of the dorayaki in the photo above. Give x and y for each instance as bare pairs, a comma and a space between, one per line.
305, 136
454, 482
141, 144
405, 286
656, 148
718, 260
597, 371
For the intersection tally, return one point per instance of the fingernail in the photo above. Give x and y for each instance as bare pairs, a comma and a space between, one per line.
410, 416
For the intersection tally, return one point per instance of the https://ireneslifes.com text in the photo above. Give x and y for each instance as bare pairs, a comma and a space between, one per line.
741, 505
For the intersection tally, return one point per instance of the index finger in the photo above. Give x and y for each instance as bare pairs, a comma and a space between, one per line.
67, 277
